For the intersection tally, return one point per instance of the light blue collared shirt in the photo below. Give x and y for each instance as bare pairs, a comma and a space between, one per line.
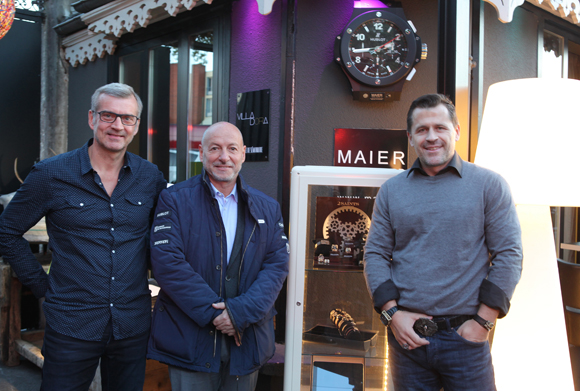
229, 211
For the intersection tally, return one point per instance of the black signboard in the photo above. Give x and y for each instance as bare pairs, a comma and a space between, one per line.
253, 120
384, 148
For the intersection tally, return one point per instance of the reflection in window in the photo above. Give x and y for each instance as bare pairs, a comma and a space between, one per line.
130, 73
573, 60
199, 115
552, 57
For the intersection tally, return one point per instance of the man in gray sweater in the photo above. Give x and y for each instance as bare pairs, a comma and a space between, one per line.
442, 259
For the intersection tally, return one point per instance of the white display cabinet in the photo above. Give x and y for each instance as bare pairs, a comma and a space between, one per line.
330, 213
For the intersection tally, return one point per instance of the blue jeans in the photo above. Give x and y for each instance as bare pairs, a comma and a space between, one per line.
70, 364
449, 361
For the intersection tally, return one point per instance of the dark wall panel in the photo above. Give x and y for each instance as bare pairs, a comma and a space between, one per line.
19, 102
83, 81
510, 49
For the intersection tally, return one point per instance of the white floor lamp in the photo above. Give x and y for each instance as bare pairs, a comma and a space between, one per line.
530, 134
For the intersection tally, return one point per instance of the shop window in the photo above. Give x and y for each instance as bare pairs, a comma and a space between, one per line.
199, 117
130, 73
177, 68
552, 58
573, 60
561, 58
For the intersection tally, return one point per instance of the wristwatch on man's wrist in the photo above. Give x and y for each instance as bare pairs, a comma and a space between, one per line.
387, 316
486, 324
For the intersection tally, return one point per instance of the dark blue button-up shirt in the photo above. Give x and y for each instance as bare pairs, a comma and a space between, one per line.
99, 243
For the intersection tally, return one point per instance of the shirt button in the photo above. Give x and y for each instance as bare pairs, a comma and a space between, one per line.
228, 278
112, 229
218, 234
207, 365
111, 304
211, 332
112, 205
218, 267
139, 202
113, 251
112, 278
82, 204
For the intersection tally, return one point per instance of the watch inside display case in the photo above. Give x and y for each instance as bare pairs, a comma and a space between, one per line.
334, 335
339, 222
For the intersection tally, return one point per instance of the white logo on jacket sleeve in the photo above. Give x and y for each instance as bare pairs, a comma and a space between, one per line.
162, 227
261, 221
157, 243
166, 213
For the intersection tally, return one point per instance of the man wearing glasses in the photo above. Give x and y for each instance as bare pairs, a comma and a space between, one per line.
98, 202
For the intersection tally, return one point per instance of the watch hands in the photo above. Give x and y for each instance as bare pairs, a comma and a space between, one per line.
386, 43
362, 50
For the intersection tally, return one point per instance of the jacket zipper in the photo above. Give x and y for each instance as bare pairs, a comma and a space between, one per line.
221, 269
244, 254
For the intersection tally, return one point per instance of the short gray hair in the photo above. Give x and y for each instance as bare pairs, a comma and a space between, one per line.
116, 90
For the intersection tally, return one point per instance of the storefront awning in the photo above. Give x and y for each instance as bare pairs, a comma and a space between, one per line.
107, 23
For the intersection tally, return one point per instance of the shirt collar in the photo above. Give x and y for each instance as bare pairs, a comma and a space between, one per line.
86, 160
233, 194
456, 164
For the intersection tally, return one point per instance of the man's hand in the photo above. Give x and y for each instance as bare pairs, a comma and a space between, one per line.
402, 327
223, 322
472, 331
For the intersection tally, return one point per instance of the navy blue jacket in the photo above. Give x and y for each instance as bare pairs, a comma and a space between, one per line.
188, 255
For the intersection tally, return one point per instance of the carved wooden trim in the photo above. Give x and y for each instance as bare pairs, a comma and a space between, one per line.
505, 9
566, 9
84, 46
109, 22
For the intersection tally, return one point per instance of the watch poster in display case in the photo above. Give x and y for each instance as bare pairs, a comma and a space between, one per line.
342, 225
253, 120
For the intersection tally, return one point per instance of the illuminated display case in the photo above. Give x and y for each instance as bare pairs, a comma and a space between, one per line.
334, 338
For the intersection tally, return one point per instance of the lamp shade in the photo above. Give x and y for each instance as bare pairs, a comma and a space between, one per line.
530, 135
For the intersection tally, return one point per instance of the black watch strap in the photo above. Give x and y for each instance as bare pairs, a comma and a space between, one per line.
387, 316
486, 324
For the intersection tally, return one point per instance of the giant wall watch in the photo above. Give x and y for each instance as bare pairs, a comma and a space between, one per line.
378, 50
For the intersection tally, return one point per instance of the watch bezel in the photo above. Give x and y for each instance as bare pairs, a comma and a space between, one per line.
413, 45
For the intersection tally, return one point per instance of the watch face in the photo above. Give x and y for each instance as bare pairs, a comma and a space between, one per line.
378, 48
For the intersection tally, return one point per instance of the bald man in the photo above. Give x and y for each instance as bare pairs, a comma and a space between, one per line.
219, 253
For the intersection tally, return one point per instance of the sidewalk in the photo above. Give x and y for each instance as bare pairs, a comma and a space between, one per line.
23, 377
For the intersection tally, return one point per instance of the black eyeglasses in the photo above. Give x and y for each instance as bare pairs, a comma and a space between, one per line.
126, 119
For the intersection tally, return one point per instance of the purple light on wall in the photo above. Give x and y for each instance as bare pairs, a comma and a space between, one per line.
256, 50
369, 4
254, 35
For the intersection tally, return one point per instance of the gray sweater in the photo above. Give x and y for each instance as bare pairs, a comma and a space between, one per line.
443, 244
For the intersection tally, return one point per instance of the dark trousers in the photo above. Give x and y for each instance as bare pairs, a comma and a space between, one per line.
70, 364
186, 380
